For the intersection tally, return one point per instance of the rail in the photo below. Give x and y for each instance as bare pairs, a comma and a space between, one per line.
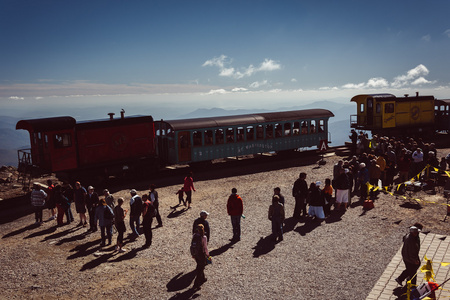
25, 168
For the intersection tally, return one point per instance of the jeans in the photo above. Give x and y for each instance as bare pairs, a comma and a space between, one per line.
92, 223
38, 213
108, 229
147, 226
69, 214
236, 223
135, 220
277, 229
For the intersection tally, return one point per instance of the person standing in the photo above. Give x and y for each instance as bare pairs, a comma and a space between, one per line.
80, 206
327, 195
202, 220
410, 255
119, 220
135, 213
277, 192
92, 202
105, 216
180, 194
68, 192
148, 212
188, 188
62, 204
342, 187
276, 216
200, 256
235, 208
153, 195
316, 201
300, 191
37, 198
109, 198
51, 202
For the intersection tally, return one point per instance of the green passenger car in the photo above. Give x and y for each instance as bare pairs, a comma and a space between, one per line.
205, 139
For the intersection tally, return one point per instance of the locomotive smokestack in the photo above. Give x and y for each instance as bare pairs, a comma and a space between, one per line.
406, 95
417, 94
122, 113
111, 116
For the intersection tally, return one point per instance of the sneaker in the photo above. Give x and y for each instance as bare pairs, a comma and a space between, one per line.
122, 250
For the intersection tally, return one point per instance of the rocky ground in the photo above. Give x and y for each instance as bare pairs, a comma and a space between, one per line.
341, 258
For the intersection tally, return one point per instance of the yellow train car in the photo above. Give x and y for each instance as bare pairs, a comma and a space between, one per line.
388, 114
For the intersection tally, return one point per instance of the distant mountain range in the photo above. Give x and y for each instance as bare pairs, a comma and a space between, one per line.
339, 126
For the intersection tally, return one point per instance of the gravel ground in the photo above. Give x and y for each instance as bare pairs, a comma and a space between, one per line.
341, 258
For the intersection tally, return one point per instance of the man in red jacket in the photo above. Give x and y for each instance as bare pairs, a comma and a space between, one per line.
235, 208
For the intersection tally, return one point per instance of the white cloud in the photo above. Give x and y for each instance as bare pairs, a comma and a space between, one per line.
410, 76
426, 38
377, 82
293, 80
239, 90
447, 32
353, 85
258, 84
421, 80
16, 98
225, 70
328, 88
218, 91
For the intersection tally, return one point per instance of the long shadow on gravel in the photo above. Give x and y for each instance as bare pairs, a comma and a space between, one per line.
176, 213
335, 216
85, 249
222, 249
128, 255
42, 232
189, 294
180, 281
21, 230
98, 261
60, 234
289, 224
74, 238
264, 246
307, 227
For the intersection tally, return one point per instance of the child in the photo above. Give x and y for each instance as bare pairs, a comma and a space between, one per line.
180, 194
327, 192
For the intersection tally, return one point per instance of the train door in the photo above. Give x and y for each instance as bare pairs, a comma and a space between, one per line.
64, 155
184, 146
369, 111
388, 114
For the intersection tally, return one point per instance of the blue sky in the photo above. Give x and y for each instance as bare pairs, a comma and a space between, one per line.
227, 54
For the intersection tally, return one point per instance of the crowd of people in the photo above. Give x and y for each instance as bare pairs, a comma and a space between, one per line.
379, 161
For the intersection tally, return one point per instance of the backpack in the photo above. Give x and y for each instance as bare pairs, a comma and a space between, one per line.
107, 213
196, 245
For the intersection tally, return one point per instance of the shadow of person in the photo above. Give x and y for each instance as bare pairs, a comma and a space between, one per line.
335, 216
221, 249
42, 232
85, 249
264, 245
307, 227
127, 255
60, 234
21, 230
289, 224
74, 238
102, 258
188, 294
176, 213
179, 281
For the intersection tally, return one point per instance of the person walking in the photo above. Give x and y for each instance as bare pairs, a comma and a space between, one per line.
202, 220
299, 192
276, 216
148, 212
410, 255
153, 195
135, 213
188, 188
105, 216
200, 255
235, 209
119, 221
37, 198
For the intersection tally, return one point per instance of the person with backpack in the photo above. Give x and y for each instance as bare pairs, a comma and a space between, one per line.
276, 216
105, 216
135, 213
235, 208
119, 222
199, 251
202, 220
148, 212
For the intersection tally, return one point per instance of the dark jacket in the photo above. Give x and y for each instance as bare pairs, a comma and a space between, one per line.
300, 188
342, 182
135, 206
91, 201
316, 197
205, 224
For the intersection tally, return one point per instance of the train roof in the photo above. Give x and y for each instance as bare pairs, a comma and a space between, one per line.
46, 124
443, 101
224, 121
62, 123
390, 97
